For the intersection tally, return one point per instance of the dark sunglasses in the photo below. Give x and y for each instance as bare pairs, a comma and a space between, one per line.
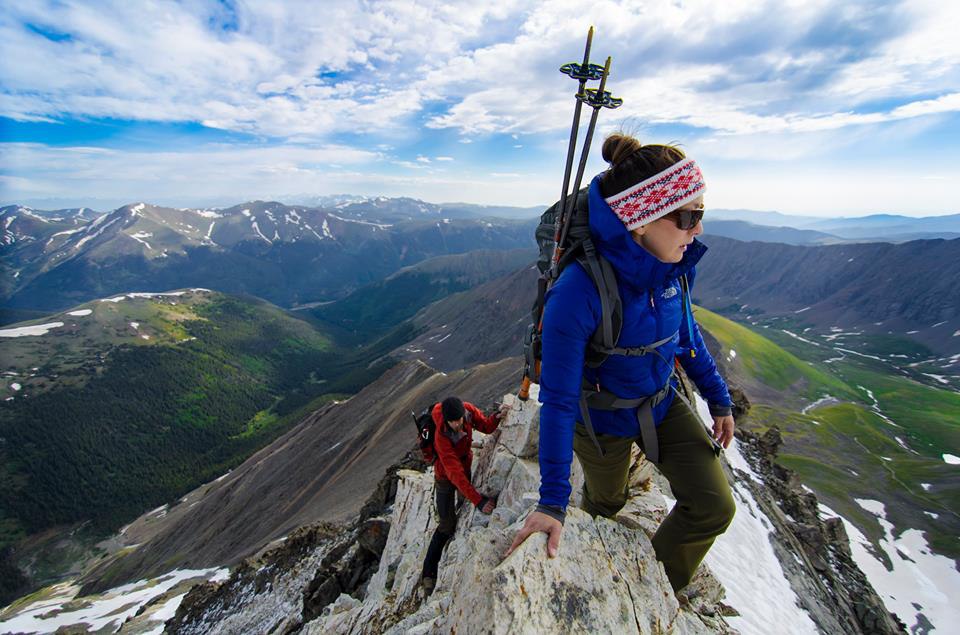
687, 219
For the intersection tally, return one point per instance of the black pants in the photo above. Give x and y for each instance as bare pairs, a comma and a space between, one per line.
446, 499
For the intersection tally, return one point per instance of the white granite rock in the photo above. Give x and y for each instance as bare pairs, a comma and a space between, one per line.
520, 432
605, 579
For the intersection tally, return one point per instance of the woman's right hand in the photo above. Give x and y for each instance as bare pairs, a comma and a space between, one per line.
535, 522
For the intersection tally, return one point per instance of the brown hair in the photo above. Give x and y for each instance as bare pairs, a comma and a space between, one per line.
631, 161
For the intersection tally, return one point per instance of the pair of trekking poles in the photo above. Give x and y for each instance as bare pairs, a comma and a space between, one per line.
595, 98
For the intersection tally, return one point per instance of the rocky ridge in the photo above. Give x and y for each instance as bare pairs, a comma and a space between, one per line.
364, 578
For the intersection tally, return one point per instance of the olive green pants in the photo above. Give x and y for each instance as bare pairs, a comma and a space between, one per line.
704, 506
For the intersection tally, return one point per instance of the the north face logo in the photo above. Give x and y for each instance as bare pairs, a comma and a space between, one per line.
669, 293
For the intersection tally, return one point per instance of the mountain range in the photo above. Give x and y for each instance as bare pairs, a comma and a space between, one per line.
287, 255
851, 350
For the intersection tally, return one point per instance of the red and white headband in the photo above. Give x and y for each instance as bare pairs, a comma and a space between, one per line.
659, 195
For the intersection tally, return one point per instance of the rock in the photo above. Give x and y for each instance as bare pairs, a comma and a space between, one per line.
771, 441
373, 535
815, 554
606, 577
520, 432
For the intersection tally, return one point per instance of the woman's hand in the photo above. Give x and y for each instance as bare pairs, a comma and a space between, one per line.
535, 522
723, 430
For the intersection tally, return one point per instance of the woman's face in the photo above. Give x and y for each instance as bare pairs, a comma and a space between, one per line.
664, 240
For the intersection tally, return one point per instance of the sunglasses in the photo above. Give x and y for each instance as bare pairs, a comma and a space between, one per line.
687, 219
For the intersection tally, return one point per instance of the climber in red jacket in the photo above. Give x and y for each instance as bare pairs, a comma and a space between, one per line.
455, 421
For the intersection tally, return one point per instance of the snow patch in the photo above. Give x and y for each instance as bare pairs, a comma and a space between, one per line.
106, 611
801, 310
256, 228
135, 325
920, 581
764, 597
802, 339
80, 313
15, 386
208, 213
36, 329
939, 378
139, 237
98, 232
359, 222
150, 295
819, 402
950, 459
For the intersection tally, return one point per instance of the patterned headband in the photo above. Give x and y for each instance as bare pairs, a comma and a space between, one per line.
659, 195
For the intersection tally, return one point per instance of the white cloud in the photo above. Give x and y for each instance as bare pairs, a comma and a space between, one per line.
787, 80
235, 171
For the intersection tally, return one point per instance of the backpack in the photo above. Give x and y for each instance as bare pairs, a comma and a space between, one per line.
426, 431
577, 246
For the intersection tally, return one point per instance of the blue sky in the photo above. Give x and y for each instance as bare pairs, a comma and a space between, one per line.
815, 107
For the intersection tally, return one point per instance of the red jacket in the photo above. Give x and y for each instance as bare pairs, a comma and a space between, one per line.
454, 459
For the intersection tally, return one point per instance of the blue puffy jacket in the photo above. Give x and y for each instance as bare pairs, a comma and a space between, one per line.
652, 310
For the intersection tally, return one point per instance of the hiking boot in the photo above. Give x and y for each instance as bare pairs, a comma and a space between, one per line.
428, 584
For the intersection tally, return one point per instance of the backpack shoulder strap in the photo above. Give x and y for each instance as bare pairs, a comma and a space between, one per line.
604, 278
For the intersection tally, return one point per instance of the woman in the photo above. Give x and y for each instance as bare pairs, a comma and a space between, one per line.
645, 213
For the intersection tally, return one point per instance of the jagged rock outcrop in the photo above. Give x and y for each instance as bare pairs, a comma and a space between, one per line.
364, 577
606, 577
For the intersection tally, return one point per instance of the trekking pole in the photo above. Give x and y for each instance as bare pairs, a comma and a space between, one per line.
596, 99
582, 72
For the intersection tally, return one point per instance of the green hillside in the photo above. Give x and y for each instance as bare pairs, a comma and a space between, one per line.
130, 404
885, 447
770, 364
373, 309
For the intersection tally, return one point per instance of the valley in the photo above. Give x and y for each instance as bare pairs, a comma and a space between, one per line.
177, 399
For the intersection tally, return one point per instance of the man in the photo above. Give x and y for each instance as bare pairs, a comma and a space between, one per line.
455, 421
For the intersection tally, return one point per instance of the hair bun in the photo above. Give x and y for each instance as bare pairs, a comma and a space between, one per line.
618, 147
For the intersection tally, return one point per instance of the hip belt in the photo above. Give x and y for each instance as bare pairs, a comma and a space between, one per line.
592, 396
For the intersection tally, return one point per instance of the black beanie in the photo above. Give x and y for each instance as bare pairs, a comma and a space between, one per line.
452, 409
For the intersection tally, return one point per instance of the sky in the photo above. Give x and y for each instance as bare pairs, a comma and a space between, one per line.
808, 107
